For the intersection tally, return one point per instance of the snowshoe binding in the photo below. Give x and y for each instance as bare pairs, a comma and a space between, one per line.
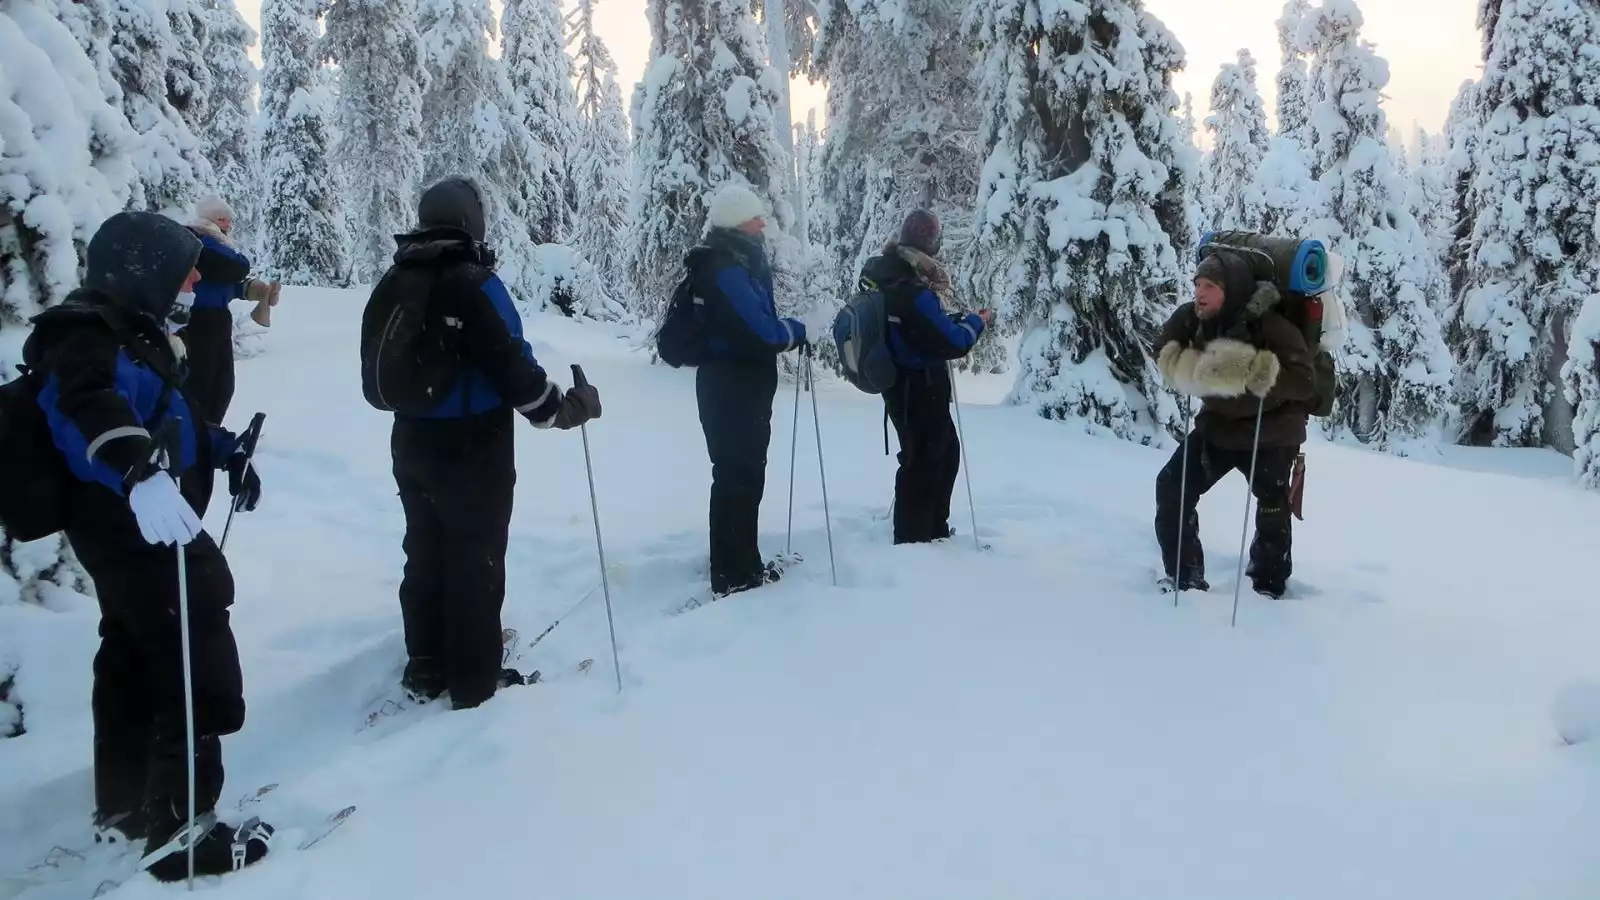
218, 848
1189, 582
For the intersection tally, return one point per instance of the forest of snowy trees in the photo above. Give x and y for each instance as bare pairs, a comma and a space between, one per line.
1073, 181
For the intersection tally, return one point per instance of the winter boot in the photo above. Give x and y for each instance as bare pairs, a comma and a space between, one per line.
507, 678
120, 828
1190, 582
423, 680
1273, 589
218, 850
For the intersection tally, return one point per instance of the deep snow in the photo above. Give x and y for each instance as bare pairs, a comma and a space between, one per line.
1035, 721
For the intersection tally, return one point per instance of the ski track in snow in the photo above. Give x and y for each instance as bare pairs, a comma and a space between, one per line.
1033, 721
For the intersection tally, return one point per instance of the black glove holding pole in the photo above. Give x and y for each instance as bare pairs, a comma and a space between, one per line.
579, 404
244, 485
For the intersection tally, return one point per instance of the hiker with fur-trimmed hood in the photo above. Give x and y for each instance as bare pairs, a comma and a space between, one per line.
225, 276
927, 329
1240, 356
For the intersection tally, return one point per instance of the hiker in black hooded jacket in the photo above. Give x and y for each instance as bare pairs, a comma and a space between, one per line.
455, 466
141, 452
736, 381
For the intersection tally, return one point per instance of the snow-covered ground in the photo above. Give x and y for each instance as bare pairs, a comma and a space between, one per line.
1031, 722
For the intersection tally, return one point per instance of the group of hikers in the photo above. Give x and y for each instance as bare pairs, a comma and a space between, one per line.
135, 404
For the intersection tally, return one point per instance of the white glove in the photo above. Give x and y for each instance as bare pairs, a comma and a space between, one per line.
164, 516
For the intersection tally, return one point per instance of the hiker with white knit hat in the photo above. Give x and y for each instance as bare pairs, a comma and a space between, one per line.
208, 334
737, 378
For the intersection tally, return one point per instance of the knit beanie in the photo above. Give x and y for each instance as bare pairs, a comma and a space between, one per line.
921, 231
733, 205
1212, 269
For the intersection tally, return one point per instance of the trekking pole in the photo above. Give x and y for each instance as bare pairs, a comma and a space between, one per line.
247, 442
594, 507
1183, 505
794, 444
1250, 495
966, 468
188, 698
822, 470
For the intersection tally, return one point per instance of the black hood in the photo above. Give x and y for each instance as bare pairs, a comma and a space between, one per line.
443, 246
141, 260
453, 203
1238, 287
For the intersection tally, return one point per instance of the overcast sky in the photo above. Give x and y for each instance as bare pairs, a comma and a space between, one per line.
1431, 46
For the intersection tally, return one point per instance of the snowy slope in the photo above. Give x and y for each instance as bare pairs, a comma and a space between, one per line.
1031, 722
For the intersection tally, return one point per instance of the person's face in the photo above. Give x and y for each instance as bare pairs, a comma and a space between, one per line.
754, 227
225, 223
1208, 297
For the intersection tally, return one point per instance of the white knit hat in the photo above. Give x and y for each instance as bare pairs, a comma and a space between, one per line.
733, 205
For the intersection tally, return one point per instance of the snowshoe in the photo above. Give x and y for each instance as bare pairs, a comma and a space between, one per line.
218, 849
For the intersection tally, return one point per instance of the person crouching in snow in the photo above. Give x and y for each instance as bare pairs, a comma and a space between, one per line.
208, 334
1234, 351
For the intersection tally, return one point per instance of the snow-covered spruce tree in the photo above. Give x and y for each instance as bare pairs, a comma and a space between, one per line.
227, 136
534, 54
1395, 370
1431, 194
1581, 376
1238, 127
189, 83
702, 117
1294, 120
147, 64
902, 127
1198, 195
68, 165
1077, 206
1462, 131
600, 162
475, 128
1535, 248
304, 220
379, 154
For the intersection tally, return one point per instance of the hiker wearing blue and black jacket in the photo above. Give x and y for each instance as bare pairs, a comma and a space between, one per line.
926, 332
225, 276
737, 379
454, 463
119, 413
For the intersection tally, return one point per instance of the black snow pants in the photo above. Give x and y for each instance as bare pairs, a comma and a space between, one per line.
930, 454
208, 343
1270, 561
140, 733
736, 414
456, 479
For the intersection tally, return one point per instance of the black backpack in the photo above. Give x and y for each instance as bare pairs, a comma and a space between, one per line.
410, 349
35, 483
681, 339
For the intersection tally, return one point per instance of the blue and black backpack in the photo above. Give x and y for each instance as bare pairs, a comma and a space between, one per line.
861, 332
